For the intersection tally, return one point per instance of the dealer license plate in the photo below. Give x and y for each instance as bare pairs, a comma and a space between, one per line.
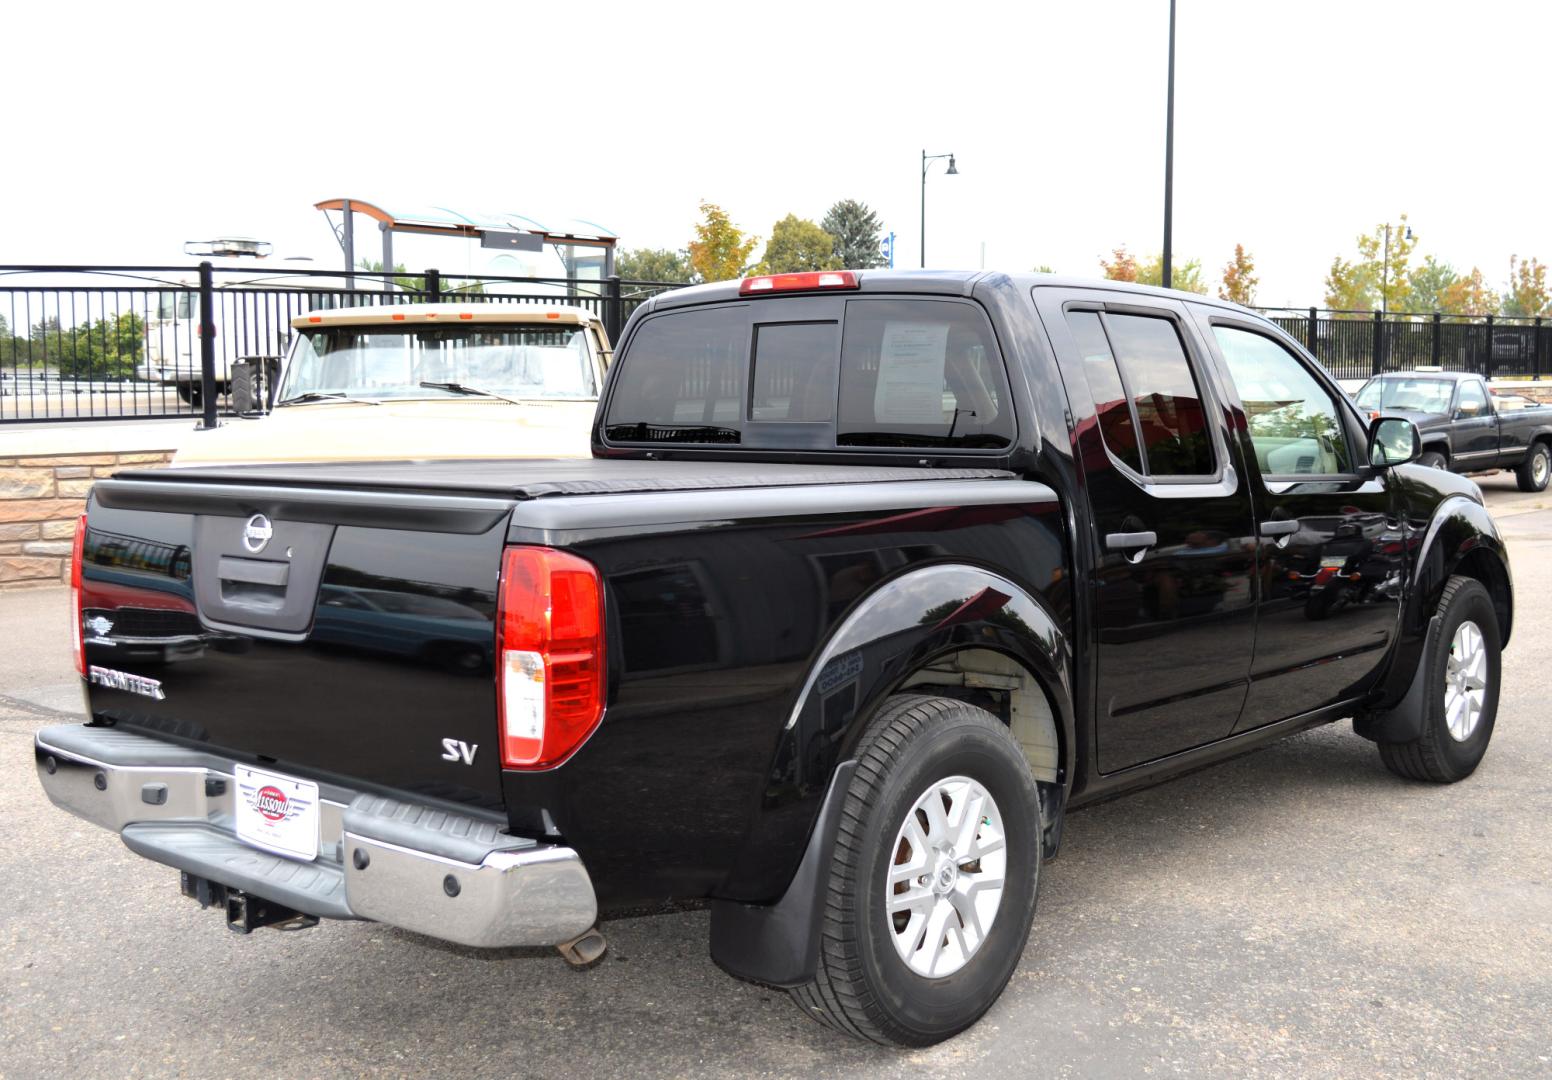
277, 813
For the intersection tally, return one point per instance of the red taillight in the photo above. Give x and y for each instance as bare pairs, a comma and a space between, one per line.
550, 655
76, 613
805, 282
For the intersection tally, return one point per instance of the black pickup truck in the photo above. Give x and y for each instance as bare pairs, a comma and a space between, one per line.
872, 578
1463, 428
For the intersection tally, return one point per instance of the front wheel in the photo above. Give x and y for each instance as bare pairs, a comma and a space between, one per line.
932, 888
1433, 459
1534, 472
1461, 665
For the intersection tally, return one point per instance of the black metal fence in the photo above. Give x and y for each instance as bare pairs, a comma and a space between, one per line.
125, 342
128, 342
1357, 344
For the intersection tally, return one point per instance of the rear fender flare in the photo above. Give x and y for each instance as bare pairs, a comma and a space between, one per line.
899, 628
896, 630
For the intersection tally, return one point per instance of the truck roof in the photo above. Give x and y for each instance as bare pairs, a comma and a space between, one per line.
434, 313
1427, 373
938, 282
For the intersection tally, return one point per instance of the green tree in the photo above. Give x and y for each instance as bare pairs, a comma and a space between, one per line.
1428, 284
720, 250
1375, 278
655, 264
1469, 295
1526, 295
454, 287
375, 266
796, 245
46, 340
858, 234
1186, 276
1350, 286
1239, 278
110, 347
1044, 268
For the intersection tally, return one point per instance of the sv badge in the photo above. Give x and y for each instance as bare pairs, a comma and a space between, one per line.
453, 750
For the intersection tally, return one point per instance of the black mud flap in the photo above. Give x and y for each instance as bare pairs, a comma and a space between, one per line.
778, 944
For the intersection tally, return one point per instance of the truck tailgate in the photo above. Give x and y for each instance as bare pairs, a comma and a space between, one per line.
327, 633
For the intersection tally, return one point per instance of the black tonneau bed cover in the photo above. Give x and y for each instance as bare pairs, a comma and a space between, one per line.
536, 479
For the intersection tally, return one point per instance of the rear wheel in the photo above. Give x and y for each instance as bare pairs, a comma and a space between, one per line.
1534, 472
1462, 664
1433, 459
932, 887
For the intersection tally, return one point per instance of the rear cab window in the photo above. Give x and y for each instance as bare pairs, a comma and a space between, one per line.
863, 372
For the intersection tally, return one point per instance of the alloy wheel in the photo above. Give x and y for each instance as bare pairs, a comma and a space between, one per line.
1465, 681
946, 877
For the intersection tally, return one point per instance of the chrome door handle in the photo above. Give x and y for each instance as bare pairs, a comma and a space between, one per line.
1281, 527
1130, 541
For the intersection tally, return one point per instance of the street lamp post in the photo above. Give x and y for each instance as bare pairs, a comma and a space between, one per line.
1385, 271
1169, 156
927, 160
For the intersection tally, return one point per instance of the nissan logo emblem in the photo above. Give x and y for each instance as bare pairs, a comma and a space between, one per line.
256, 533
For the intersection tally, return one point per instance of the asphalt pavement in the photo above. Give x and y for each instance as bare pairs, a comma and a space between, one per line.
1297, 911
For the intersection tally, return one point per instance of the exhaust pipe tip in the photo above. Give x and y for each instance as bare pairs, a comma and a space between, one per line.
584, 950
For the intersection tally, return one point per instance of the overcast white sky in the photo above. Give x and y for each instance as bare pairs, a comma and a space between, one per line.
134, 127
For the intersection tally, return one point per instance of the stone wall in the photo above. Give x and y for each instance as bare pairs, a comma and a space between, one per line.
40, 500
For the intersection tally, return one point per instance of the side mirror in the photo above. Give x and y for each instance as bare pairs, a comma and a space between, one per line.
1393, 441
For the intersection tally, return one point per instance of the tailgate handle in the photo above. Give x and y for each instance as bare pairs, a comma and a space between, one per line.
1280, 527
253, 571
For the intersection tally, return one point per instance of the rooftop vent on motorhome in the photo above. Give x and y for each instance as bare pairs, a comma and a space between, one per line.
229, 247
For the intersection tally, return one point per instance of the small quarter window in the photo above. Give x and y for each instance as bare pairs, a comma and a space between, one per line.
1110, 401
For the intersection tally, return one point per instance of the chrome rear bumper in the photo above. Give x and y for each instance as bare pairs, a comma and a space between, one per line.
425, 869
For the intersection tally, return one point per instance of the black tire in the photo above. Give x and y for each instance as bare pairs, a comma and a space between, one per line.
1537, 462
1436, 755
193, 394
1433, 459
863, 987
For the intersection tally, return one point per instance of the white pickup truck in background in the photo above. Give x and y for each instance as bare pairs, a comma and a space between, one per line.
424, 381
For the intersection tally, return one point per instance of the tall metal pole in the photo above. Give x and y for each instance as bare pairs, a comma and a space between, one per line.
1169, 152
207, 345
924, 211
1385, 271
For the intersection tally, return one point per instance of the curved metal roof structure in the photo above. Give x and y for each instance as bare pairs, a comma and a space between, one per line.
444, 221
